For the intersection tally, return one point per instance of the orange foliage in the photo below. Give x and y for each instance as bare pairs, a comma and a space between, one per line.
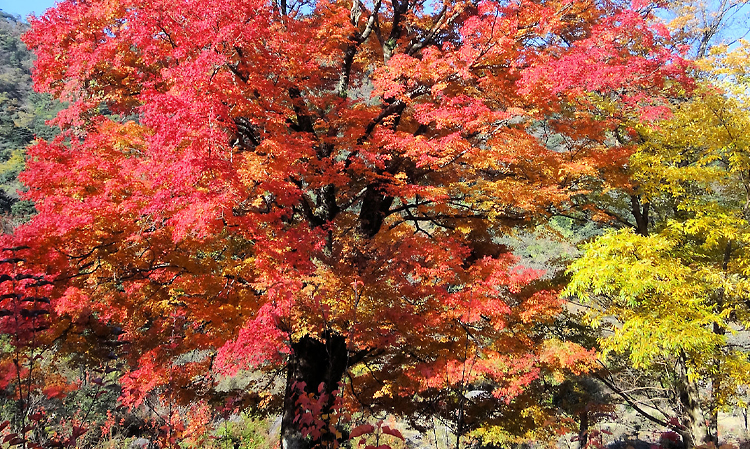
335, 171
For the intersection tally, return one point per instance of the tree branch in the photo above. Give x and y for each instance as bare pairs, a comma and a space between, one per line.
631, 402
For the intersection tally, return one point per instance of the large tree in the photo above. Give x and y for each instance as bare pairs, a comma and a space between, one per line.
319, 186
674, 291
673, 294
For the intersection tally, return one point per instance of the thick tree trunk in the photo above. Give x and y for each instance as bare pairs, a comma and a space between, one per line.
696, 431
319, 364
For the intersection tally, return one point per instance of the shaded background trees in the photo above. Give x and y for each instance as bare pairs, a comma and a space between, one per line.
23, 114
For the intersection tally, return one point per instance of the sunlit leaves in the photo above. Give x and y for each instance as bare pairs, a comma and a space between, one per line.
279, 178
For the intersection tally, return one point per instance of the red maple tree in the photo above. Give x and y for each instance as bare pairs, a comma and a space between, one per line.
320, 185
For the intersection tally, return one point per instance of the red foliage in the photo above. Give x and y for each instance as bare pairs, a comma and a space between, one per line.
274, 175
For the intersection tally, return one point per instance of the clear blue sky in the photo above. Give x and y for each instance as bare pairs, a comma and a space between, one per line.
25, 7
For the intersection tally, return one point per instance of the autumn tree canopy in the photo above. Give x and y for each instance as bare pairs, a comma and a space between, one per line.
318, 186
671, 292
678, 291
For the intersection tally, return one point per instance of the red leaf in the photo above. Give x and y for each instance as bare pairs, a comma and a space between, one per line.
394, 432
77, 432
16, 441
361, 430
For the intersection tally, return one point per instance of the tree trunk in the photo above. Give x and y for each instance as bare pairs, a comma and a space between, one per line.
696, 431
583, 430
314, 370
640, 213
716, 384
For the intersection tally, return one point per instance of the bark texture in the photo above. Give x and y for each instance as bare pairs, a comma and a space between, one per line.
316, 367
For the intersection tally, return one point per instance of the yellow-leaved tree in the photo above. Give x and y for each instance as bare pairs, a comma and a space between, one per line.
672, 296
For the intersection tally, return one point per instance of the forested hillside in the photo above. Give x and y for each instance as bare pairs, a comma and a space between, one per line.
23, 114
375, 224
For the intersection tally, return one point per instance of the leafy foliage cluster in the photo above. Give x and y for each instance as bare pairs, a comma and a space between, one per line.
366, 217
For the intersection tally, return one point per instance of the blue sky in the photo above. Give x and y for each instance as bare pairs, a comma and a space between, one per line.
25, 7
